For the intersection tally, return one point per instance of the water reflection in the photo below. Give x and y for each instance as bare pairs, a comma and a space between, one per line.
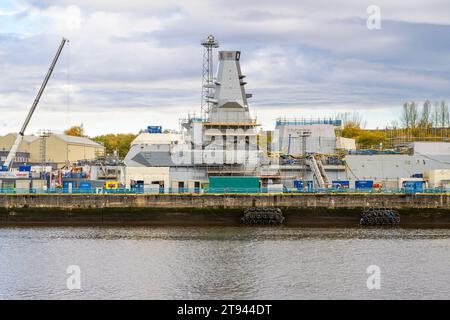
223, 263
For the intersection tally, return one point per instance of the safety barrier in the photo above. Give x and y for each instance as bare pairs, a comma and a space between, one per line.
217, 191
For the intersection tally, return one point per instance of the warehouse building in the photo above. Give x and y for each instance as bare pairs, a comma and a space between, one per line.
25, 146
55, 148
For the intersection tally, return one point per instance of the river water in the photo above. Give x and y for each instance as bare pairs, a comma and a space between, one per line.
223, 263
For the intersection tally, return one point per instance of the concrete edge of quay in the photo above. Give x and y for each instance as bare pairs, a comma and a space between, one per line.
307, 210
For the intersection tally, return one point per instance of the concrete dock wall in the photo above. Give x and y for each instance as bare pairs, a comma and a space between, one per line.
329, 201
322, 210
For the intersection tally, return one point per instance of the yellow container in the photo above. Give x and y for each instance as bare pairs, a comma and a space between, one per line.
112, 185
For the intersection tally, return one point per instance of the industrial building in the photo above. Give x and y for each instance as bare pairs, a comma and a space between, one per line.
54, 148
25, 146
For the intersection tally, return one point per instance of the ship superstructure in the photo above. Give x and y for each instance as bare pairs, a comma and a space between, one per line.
225, 141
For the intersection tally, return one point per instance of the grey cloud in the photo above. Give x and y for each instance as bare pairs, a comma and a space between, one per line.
311, 54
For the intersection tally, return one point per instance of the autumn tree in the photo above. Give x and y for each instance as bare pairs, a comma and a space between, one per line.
352, 124
371, 138
77, 131
351, 130
120, 142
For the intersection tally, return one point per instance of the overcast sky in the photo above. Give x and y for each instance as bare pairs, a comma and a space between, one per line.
136, 63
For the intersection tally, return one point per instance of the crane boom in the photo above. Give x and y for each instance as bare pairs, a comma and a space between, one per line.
19, 138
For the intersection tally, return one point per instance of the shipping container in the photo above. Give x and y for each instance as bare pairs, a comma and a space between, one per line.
152, 189
23, 186
364, 184
234, 184
76, 175
154, 129
137, 185
38, 185
275, 188
377, 186
8, 185
298, 184
341, 184
24, 168
85, 185
412, 187
69, 185
111, 185
390, 184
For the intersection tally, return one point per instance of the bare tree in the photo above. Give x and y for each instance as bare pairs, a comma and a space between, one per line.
353, 118
414, 111
425, 117
394, 124
436, 114
404, 117
410, 115
444, 119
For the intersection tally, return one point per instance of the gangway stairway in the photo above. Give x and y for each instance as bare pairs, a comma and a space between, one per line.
319, 172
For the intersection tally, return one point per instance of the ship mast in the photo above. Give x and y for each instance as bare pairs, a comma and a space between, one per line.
207, 74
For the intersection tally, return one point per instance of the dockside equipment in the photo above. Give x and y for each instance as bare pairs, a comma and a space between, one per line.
12, 153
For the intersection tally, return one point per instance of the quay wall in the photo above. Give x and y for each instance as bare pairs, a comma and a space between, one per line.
222, 209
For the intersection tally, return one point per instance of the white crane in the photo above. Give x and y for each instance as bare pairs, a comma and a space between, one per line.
7, 165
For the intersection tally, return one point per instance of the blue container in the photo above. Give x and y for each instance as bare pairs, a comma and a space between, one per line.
341, 184
24, 168
364, 184
298, 184
154, 129
66, 184
412, 187
417, 175
85, 185
137, 186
